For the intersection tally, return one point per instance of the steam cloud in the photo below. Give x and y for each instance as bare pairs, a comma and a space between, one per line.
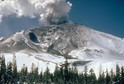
49, 11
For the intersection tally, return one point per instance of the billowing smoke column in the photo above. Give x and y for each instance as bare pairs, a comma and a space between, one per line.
49, 11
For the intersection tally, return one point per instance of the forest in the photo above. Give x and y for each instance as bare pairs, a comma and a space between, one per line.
63, 74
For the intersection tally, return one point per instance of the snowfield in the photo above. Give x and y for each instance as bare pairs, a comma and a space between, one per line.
29, 59
44, 60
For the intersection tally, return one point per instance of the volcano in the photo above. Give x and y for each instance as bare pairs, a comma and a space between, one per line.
51, 45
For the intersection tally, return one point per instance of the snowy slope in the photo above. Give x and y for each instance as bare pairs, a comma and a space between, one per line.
49, 45
28, 60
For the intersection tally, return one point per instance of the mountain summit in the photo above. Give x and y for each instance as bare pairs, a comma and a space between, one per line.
78, 43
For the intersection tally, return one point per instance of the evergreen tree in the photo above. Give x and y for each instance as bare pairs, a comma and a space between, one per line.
56, 75
9, 74
36, 76
92, 77
41, 77
61, 75
0, 70
81, 78
66, 72
51, 77
85, 75
101, 78
15, 73
47, 76
23, 74
31, 74
122, 71
29, 78
108, 79
118, 73
3, 71
121, 81
73, 75
112, 75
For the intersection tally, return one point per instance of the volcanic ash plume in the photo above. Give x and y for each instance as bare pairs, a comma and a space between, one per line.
48, 11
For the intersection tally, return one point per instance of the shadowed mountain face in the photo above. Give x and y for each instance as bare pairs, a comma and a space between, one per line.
67, 39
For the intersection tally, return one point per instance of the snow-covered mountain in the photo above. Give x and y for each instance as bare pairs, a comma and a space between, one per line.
49, 45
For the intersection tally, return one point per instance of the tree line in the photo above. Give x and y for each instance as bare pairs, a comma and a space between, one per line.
63, 74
